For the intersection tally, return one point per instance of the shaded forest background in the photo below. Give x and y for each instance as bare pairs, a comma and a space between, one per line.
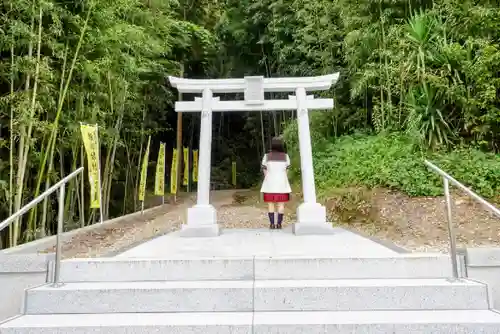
418, 79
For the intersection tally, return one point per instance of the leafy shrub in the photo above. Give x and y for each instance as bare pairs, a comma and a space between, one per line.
395, 161
348, 205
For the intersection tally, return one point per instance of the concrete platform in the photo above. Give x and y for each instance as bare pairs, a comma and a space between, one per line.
261, 242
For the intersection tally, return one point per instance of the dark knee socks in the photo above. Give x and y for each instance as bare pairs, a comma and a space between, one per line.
280, 219
271, 218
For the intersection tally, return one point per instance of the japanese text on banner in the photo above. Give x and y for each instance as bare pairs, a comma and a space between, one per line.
195, 165
173, 173
144, 172
160, 172
91, 144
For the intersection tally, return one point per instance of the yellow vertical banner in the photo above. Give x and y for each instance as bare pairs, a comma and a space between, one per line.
91, 143
185, 180
144, 172
173, 173
233, 179
160, 172
195, 165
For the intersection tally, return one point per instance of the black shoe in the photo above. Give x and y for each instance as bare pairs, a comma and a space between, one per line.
279, 227
272, 227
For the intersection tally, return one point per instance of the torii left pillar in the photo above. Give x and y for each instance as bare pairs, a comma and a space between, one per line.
202, 217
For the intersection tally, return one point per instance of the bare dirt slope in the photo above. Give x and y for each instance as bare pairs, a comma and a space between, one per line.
414, 223
421, 223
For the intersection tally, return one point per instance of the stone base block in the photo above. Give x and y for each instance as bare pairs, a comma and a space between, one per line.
311, 219
311, 213
201, 222
201, 215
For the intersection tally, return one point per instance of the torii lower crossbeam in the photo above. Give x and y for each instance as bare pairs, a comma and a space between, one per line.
241, 106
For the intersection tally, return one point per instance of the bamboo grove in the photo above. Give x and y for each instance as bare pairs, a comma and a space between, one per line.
66, 62
426, 68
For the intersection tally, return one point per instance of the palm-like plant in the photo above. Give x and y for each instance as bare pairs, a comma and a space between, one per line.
427, 115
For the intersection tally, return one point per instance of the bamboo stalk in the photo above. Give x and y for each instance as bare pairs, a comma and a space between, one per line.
11, 127
128, 175
35, 86
127, 171
107, 164
112, 161
262, 134
179, 141
68, 207
25, 141
79, 201
82, 188
137, 180
33, 99
82, 163
91, 217
382, 108
113, 155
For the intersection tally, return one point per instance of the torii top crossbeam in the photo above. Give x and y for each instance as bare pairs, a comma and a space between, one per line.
323, 82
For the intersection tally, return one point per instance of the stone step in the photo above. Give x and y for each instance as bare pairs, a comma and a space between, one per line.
360, 322
145, 297
131, 323
246, 296
379, 322
369, 294
260, 267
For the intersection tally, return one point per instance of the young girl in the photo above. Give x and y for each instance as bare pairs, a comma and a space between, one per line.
276, 188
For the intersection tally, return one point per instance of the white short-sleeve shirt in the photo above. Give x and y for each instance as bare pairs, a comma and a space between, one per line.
276, 179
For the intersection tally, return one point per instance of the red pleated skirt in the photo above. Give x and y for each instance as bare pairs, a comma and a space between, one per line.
276, 198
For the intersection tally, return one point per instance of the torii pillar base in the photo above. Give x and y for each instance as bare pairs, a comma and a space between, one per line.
201, 222
311, 219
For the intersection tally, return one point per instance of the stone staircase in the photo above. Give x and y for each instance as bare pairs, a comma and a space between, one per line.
402, 293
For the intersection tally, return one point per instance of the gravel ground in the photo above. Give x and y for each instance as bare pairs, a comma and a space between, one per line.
120, 236
416, 224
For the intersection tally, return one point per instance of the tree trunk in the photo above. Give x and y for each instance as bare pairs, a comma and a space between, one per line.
179, 140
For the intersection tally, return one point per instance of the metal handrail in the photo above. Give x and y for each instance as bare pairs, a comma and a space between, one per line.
61, 185
451, 231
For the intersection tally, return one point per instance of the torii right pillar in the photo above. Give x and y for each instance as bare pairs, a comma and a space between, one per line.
311, 216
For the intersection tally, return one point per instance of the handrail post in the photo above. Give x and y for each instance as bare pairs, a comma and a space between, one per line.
451, 231
60, 222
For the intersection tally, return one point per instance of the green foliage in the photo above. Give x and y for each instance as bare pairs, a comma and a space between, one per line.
395, 161
423, 67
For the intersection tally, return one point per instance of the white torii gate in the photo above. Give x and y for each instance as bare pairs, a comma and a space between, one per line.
202, 217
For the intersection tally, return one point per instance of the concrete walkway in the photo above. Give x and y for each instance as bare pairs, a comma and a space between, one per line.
261, 242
